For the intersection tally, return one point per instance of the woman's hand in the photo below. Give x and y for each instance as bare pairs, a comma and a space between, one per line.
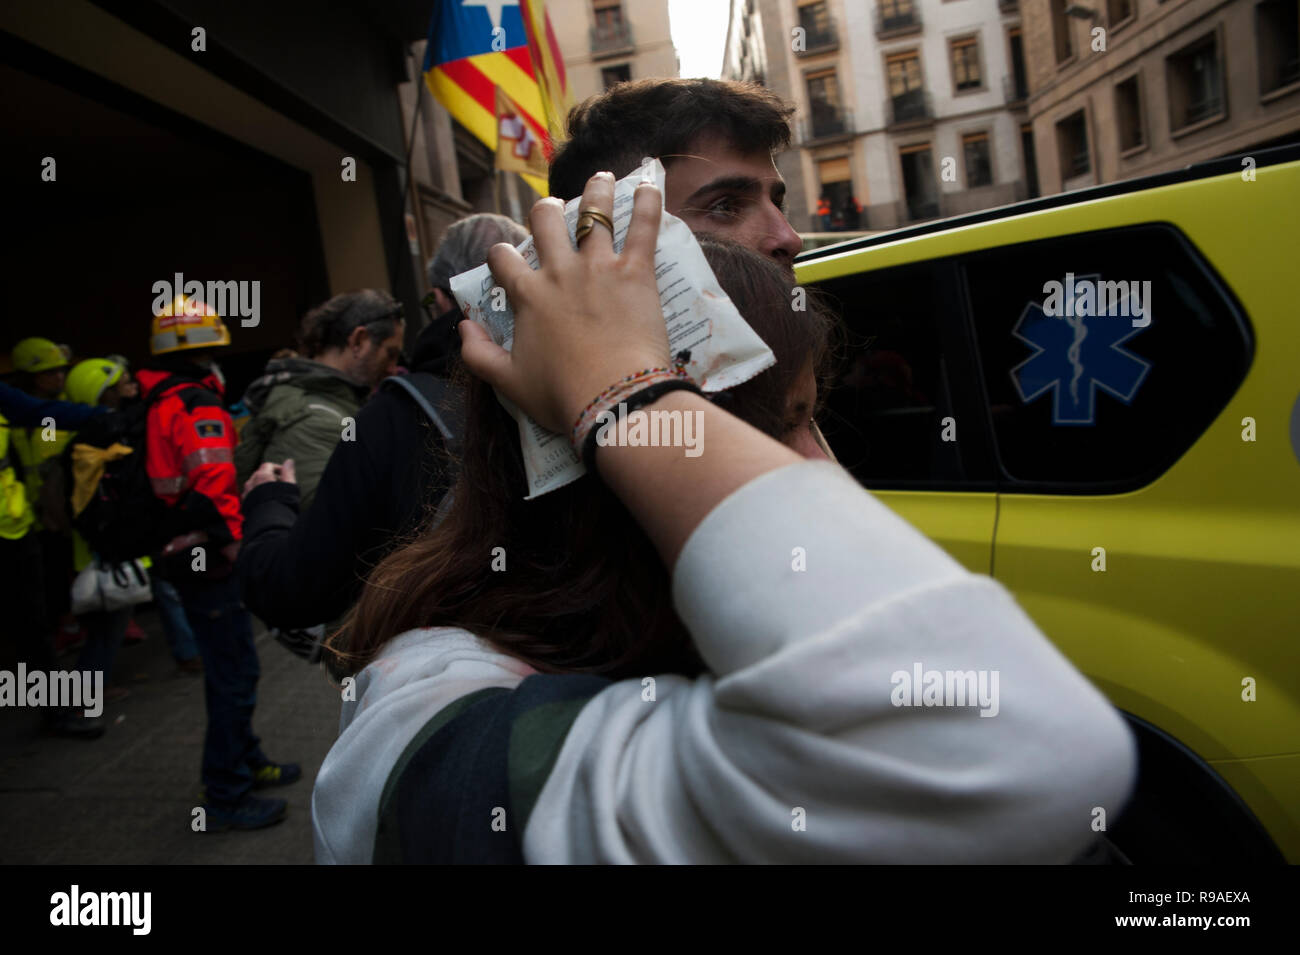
584, 320
271, 472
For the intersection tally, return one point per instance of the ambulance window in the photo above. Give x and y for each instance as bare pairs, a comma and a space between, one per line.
884, 412
1085, 396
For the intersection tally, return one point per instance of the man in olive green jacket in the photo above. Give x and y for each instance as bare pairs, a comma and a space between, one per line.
302, 407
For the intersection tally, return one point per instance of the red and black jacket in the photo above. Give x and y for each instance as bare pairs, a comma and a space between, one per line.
190, 450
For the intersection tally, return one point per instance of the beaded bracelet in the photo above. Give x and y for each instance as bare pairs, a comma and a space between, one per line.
632, 403
628, 385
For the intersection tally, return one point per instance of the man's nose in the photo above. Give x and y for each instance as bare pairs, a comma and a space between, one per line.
783, 242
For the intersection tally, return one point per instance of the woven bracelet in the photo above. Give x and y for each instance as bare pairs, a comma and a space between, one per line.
640, 399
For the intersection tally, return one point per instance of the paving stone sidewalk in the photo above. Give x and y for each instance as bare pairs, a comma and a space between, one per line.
127, 797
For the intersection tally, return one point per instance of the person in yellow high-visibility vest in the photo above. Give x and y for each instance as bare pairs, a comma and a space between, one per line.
42, 367
22, 597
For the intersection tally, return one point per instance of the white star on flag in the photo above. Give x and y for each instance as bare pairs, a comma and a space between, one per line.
493, 9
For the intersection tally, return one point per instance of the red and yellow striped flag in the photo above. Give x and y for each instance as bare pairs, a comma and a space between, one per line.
479, 46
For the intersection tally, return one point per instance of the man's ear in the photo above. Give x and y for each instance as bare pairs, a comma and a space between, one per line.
359, 337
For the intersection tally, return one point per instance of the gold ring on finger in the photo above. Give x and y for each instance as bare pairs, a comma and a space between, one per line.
599, 216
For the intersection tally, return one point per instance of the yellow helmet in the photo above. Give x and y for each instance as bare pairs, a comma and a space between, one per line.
39, 354
187, 323
88, 379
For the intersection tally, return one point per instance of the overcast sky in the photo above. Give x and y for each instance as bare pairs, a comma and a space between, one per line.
699, 33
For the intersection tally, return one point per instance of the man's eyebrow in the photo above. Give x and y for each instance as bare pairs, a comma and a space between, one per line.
727, 184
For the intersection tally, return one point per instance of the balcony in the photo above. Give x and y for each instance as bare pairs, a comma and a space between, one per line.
1015, 89
896, 20
611, 39
912, 107
1008, 6
822, 40
825, 123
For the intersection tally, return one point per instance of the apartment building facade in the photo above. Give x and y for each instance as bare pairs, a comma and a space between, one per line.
608, 41
1124, 88
906, 109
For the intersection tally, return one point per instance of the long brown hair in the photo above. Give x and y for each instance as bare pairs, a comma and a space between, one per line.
582, 589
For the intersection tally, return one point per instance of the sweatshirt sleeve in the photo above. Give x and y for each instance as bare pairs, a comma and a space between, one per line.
300, 570
870, 701
26, 411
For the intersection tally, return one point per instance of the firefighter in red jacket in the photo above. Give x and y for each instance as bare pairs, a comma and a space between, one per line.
190, 462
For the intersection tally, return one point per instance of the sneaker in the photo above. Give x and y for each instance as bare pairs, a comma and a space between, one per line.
251, 812
276, 774
134, 634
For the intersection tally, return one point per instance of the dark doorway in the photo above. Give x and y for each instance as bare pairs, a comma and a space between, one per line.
918, 184
142, 194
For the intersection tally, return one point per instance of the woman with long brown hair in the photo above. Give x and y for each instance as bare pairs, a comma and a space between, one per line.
689, 658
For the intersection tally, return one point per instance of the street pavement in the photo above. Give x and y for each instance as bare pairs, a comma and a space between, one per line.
128, 797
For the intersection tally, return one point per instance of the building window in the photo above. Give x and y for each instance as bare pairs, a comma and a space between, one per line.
1278, 44
906, 97
824, 104
895, 17
1195, 82
1118, 12
815, 20
1061, 31
1128, 114
609, 14
838, 212
613, 75
979, 168
611, 34
1072, 145
965, 57
904, 70
918, 182
1017, 82
1031, 159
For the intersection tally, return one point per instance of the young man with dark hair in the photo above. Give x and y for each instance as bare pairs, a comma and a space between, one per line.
716, 140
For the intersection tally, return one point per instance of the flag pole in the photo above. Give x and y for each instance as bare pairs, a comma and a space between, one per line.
410, 147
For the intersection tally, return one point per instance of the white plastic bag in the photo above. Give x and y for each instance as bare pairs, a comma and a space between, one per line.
107, 587
698, 315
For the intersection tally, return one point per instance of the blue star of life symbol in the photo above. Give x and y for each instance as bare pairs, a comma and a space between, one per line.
1073, 357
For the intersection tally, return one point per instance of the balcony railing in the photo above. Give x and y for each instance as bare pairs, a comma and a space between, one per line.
897, 20
1015, 89
910, 107
825, 123
611, 39
819, 41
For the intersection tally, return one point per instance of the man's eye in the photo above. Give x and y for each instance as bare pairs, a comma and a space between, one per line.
726, 206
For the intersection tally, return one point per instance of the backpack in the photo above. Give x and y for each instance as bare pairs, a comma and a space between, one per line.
124, 518
437, 399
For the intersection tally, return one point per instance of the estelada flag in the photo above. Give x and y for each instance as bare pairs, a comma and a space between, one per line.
476, 46
518, 147
548, 66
